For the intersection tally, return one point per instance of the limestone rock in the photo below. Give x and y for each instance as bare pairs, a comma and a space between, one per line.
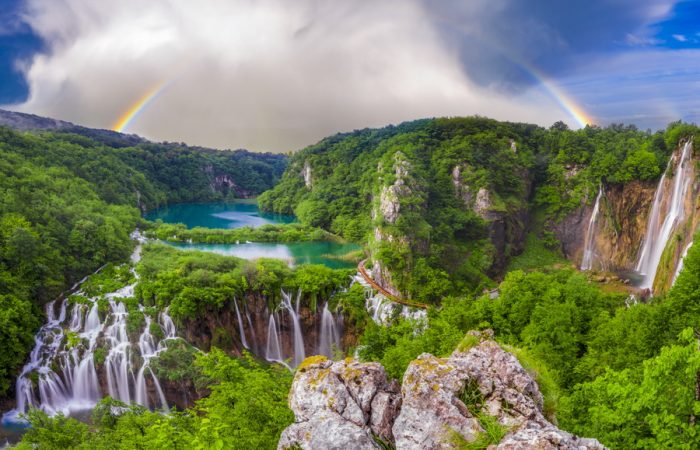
482, 204
306, 173
431, 408
340, 405
325, 431
390, 196
343, 404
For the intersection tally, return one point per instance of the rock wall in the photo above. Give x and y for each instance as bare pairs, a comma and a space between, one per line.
397, 185
220, 328
619, 231
622, 225
352, 405
507, 228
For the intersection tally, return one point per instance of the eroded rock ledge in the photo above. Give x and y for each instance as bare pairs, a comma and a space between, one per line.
442, 402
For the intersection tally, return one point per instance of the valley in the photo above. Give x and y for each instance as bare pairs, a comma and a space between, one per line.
376, 249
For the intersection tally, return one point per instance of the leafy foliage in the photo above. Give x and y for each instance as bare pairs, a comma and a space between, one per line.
247, 408
191, 282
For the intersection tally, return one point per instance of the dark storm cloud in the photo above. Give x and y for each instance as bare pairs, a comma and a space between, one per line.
499, 40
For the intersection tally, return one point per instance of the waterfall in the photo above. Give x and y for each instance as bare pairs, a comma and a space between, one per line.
297, 338
61, 374
680, 262
329, 337
287, 312
588, 254
382, 310
658, 236
273, 350
252, 329
240, 324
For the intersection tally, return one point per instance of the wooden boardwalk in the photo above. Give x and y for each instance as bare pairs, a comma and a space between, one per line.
384, 292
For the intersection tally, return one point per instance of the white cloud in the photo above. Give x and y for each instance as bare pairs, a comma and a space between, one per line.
264, 75
641, 41
680, 38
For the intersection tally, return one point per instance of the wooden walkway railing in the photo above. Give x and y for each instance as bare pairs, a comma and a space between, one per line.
384, 292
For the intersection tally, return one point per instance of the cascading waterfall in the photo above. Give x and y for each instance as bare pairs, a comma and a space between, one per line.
61, 375
329, 337
680, 262
588, 250
240, 324
658, 234
298, 339
273, 350
284, 326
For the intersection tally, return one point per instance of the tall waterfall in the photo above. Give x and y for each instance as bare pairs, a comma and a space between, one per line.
273, 350
241, 331
588, 250
297, 337
61, 374
658, 233
284, 340
329, 337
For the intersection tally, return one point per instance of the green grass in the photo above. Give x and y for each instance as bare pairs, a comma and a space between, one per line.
536, 256
493, 433
542, 376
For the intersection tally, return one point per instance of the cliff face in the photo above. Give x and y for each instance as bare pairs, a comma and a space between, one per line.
620, 228
400, 193
507, 223
221, 328
443, 403
623, 220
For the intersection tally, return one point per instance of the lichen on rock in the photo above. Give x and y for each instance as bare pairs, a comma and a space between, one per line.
340, 405
440, 398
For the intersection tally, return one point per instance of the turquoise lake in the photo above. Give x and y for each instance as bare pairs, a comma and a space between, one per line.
217, 215
240, 214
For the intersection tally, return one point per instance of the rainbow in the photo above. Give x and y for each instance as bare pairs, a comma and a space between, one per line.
576, 112
135, 109
567, 103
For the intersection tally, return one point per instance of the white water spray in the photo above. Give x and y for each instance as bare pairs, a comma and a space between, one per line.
658, 234
589, 248
61, 375
329, 337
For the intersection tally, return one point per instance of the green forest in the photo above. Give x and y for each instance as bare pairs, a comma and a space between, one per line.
450, 209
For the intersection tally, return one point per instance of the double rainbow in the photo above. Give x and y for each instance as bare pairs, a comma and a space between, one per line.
565, 101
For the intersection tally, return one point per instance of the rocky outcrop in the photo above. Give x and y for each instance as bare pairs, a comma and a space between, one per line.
398, 185
506, 224
443, 401
391, 195
340, 405
306, 174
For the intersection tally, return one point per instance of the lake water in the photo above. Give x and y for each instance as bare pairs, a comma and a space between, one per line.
243, 213
240, 214
293, 252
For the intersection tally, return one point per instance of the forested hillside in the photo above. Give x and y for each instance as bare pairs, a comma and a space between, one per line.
482, 220
68, 204
445, 204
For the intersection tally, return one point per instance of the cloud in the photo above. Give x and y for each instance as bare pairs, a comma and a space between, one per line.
680, 38
263, 75
649, 88
501, 41
641, 41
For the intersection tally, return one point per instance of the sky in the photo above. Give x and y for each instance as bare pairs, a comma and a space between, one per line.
277, 75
